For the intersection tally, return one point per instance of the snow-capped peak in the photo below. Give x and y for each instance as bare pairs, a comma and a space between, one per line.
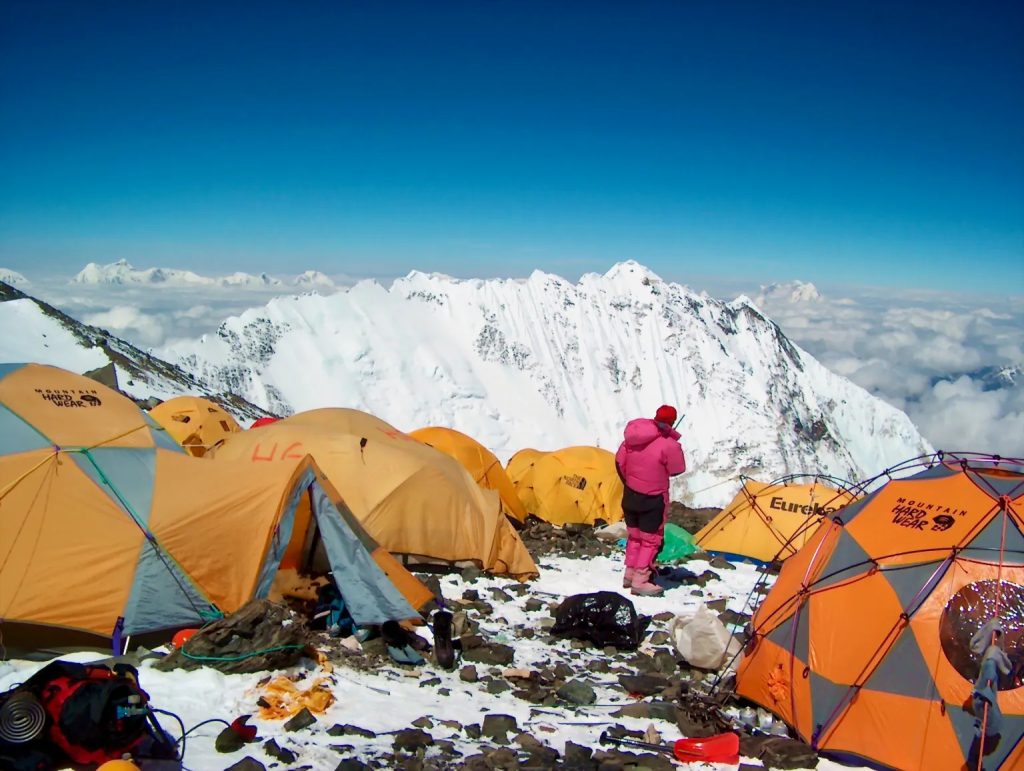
313, 278
247, 279
13, 278
632, 270
791, 292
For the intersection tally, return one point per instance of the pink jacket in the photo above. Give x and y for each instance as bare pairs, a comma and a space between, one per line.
648, 456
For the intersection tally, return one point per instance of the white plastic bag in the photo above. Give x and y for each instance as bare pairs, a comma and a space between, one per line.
703, 640
613, 532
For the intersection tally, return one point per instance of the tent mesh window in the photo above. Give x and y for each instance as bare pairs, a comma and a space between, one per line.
603, 618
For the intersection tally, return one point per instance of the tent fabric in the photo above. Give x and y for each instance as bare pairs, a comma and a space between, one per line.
415, 501
574, 485
481, 463
95, 527
771, 521
863, 643
195, 423
520, 472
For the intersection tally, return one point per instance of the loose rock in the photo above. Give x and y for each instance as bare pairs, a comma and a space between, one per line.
345, 730
247, 763
277, 752
498, 726
492, 653
302, 719
411, 740
577, 692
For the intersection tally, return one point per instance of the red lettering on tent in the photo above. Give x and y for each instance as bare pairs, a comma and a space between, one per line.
256, 453
289, 448
395, 434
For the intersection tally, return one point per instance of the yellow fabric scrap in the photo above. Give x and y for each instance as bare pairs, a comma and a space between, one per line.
284, 698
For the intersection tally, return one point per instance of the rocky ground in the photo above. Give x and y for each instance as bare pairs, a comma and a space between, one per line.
520, 697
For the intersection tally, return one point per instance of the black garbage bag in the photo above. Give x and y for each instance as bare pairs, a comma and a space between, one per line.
603, 618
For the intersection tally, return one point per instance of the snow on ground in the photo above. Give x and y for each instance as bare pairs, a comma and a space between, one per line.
390, 699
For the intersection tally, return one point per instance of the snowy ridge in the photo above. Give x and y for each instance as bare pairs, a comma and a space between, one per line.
546, 363
45, 335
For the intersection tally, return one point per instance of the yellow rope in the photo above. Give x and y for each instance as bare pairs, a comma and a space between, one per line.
19, 480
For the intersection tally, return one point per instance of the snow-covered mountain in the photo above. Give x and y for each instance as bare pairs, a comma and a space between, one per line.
123, 273
12, 277
38, 332
546, 363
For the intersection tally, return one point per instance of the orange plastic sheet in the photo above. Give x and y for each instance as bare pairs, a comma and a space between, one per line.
283, 698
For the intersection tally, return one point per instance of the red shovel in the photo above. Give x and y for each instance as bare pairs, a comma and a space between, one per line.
720, 748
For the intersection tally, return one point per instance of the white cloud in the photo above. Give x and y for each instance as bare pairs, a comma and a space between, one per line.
129, 322
961, 415
925, 353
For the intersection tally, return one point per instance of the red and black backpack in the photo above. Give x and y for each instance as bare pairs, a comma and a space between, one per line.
94, 713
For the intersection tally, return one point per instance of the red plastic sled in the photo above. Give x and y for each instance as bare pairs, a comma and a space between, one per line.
720, 748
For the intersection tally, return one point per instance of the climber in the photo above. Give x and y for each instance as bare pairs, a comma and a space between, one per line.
649, 455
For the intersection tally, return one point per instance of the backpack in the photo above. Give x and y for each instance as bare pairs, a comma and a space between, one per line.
331, 612
92, 714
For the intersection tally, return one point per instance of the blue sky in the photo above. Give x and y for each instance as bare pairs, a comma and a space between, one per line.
832, 142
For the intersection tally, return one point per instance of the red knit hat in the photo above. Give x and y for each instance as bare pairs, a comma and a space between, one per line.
666, 414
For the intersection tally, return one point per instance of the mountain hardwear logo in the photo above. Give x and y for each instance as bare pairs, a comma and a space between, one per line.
69, 397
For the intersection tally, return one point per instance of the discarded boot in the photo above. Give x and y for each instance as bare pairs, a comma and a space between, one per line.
627, 578
642, 586
444, 652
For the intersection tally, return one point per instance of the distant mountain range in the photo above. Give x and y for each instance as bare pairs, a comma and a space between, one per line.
122, 272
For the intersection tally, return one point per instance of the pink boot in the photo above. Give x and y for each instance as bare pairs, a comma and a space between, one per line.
627, 578
642, 585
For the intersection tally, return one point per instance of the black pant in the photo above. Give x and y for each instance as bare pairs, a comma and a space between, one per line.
643, 511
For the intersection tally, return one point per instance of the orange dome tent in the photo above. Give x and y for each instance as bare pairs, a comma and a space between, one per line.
520, 471
864, 643
768, 522
104, 521
414, 500
574, 485
197, 424
480, 462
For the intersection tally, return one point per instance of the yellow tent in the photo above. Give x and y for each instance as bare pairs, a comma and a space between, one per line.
414, 500
574, 485
771, 521
520, 471
197, 424
95, 525
480, 462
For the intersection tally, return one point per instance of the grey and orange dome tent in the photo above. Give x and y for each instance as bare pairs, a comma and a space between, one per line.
482, 464
415, 501
574, 485
196, 423
771, 521
865, 643
96, 533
